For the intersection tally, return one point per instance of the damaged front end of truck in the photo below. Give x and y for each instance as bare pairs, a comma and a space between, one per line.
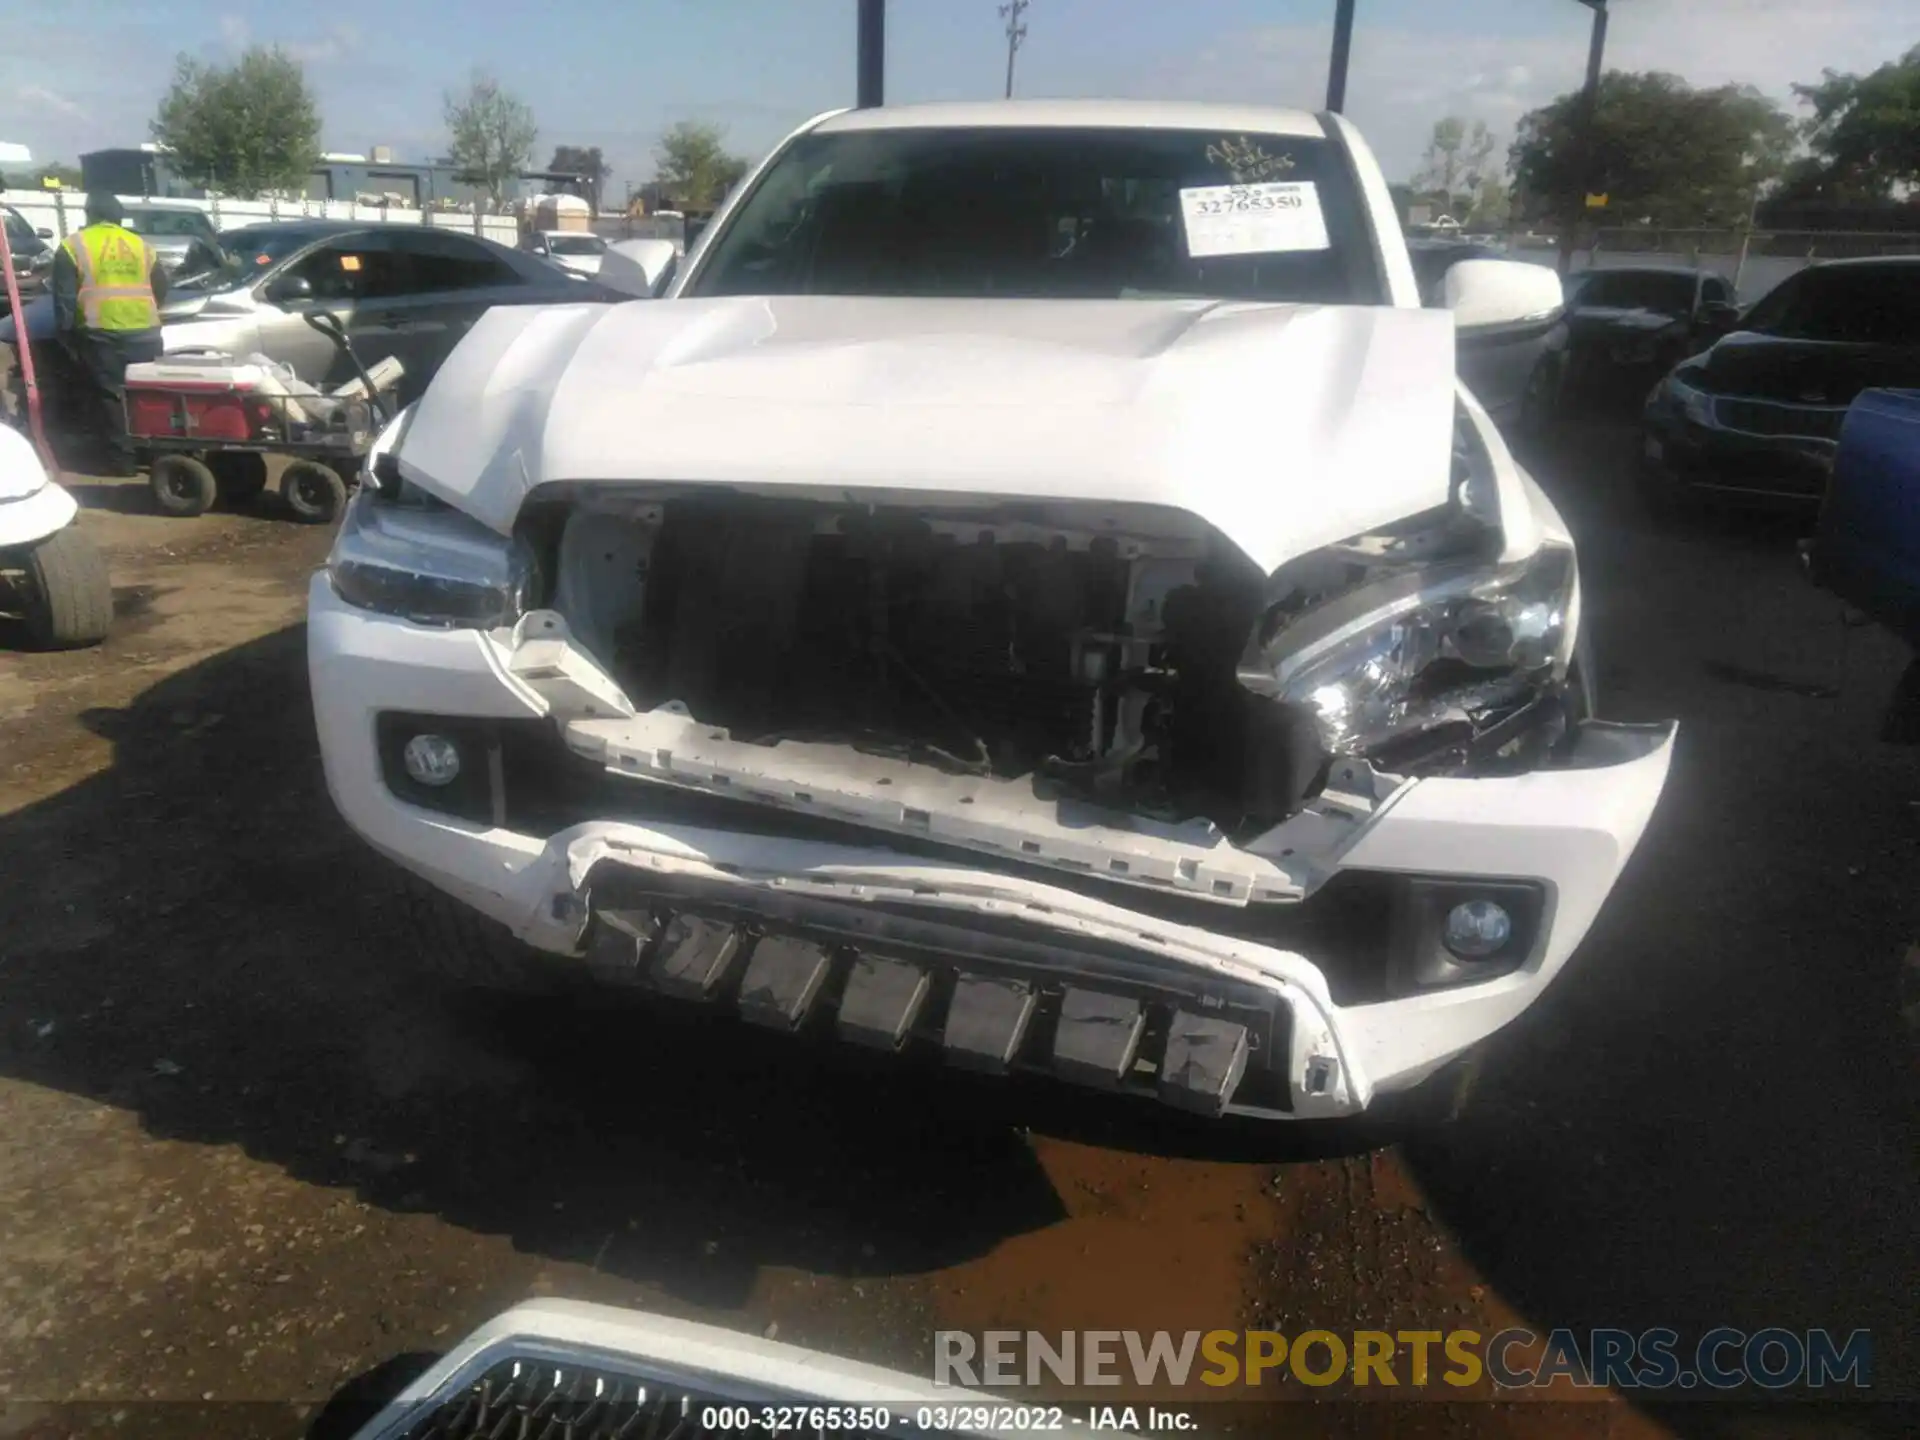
1028, 779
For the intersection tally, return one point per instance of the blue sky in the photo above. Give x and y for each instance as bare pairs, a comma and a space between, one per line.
84, 74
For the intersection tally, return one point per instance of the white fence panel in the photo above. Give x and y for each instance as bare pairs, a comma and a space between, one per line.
63, 211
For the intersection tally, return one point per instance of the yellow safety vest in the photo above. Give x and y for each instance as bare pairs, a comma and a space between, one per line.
116, 279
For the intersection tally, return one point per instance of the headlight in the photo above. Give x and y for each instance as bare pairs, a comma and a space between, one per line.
1697, 405
430, 566
1396, 656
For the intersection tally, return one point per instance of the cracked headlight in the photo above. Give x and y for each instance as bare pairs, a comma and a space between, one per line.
433, 566
1402, 654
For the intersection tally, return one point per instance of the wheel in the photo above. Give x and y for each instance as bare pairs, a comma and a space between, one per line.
240, 474
182, 485
69, 597
314, 493
1540, 403
467, 949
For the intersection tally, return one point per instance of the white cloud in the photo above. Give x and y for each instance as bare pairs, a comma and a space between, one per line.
234, 31
39, 95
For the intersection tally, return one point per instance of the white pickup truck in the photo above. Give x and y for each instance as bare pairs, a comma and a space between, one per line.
1031, 590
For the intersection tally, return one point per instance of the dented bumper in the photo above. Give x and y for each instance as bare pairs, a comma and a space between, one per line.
1294, 978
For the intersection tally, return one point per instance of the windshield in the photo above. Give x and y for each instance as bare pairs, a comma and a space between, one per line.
1668, 292
1857, 304
1047, 214
256, 249
576, 244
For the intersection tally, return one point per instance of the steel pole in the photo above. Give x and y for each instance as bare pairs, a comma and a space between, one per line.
1342, 48
871, 70
1584, 147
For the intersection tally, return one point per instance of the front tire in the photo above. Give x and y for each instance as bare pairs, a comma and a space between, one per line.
315, 494
69, 594
182, 486
1540, 402
1664, 496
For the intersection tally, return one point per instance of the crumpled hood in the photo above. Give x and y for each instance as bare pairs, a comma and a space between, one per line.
1285, 427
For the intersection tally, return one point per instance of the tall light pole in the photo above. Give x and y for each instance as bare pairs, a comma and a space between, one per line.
1584, 147
871, 68
1342, 48
1016, 34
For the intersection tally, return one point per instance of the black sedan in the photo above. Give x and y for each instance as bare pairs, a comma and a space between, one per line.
1626, 326
30, 248
1759, 413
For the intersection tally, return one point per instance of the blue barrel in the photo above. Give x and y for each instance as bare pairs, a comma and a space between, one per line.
1866, 548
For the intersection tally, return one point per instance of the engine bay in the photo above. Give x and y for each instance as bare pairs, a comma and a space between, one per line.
1100, 664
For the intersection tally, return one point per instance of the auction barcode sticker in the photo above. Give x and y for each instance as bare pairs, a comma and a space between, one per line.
1253, 219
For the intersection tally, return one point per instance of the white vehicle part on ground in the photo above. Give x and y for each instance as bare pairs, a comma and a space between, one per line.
1571, 830
32, 507
676, 1358
1174, 404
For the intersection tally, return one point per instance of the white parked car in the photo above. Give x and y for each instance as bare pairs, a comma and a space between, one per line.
1033, 590
55, 571
575, 251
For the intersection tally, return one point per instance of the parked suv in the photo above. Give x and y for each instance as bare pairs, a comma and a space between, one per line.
1035, 591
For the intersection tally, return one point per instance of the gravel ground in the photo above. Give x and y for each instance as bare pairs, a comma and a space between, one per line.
247, 1155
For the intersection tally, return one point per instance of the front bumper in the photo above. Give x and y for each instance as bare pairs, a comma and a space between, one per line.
1733, 463
1167, 973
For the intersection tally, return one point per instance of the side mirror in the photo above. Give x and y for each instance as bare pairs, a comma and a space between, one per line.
44, 233
1720, 314
1496, 294
290, 290
639, 268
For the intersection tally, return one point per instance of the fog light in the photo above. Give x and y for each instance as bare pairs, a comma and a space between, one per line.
432, 760
1476, 929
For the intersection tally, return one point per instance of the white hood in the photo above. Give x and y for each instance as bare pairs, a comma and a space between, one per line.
1284, 427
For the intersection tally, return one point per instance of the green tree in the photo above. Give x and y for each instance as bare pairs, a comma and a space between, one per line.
1864, 132
1662, 151
242, 129
583, 160
491, 134
66, 176
1459, 159
1492, 204
693, 166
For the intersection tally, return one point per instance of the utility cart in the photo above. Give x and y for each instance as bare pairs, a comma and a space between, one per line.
208, 421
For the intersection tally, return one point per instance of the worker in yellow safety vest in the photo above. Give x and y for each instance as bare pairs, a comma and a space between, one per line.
107, 289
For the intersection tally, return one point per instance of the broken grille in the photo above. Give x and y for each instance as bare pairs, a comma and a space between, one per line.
987, 995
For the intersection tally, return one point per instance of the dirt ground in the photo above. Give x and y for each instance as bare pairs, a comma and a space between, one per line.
248, 1156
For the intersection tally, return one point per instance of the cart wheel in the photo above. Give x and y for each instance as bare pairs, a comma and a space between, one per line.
182, 485
314, 493
240, 474
69, 597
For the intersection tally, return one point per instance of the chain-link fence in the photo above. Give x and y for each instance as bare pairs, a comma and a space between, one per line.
1754, 263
